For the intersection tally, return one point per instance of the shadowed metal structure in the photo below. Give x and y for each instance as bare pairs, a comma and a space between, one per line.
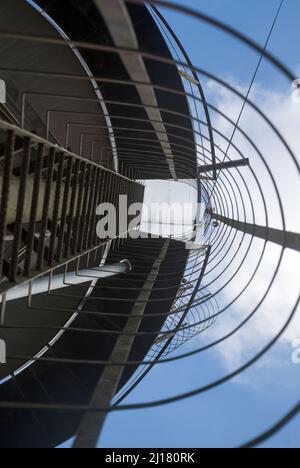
101, 97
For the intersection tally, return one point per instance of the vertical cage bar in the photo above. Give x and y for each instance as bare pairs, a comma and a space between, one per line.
56, 208
87, 188
64, 211
79, 208
34, 209
7, 175
72, 207
45, 217
20, 209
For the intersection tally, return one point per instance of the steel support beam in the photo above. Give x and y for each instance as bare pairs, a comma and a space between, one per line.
223, 166
119, 24
289, 240
92, 423
61, 281
195, 81
173, 333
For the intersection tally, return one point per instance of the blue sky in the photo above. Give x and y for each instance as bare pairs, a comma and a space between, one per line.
229, 415
217, 52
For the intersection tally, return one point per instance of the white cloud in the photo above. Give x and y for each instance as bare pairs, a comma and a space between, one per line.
274, 312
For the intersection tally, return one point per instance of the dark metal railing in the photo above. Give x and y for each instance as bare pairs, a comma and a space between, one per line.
49, 205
